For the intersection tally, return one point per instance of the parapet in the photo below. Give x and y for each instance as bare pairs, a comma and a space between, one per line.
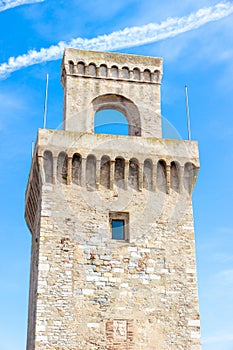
113, 66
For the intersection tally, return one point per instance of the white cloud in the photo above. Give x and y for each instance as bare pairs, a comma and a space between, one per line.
128, 37
8, 4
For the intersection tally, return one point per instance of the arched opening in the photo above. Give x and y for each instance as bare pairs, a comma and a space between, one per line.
76, 169
148, 174
189, 176
134, 173
161, 178
147, 75
62, 167
105, 171
48, 166
114, 72
119, 173
91, 171
92, 69
110, 121
125, 73
175, 176
123, 105
156, 76
103, 70
71, 67
136, 74
81, 68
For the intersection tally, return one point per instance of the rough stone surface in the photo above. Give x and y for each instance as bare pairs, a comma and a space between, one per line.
87, 290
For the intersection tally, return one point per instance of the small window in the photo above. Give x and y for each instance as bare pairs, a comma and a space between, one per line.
118, 229
119, 223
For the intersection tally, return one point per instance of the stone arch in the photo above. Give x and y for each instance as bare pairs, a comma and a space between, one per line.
123, 105
105, 171
147, 75
92, 69
103, 70
136, 73
76, 169
190, 172
125, 73
156, 76
71, 67
62, 167
161, 176
119, 172
134, 173
175, 176
148, 174
114, 72
91, 171
81, 68
48, 166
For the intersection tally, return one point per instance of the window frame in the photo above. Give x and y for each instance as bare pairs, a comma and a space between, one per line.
120, 216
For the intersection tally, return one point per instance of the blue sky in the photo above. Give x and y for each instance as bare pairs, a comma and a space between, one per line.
195, 38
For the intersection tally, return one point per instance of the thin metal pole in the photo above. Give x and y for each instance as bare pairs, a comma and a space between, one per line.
187, 112
33, 145
46, 101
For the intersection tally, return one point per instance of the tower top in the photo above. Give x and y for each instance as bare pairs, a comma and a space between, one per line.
110, 58
93, 81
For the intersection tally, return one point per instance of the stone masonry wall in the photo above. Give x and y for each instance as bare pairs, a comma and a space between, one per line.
88, 283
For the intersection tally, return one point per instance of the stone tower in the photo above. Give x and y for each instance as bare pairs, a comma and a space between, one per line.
113, 254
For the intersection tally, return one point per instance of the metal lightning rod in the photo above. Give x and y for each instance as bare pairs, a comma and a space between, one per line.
46, 101
32, 150
187, 112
